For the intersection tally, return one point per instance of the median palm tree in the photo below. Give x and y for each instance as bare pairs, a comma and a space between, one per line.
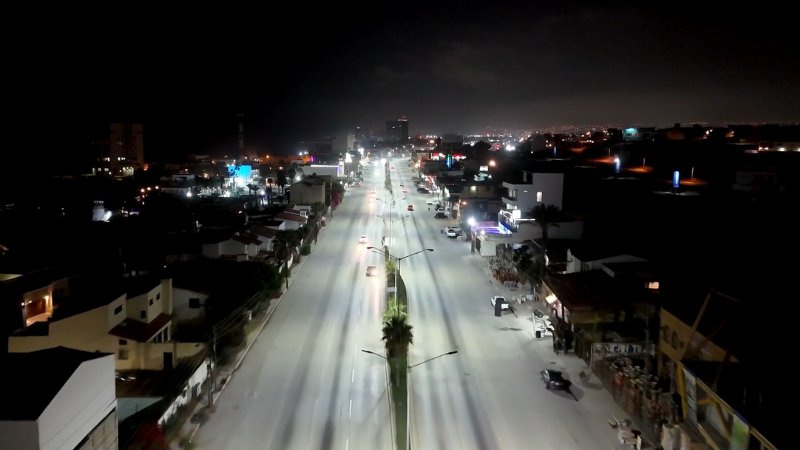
398, 336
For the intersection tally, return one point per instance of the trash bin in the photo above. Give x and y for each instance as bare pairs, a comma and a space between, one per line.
538, 334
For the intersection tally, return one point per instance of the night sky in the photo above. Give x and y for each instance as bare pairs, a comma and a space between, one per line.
304, 70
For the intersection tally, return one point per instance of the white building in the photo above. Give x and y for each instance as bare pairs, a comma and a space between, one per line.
533, 189
66, 399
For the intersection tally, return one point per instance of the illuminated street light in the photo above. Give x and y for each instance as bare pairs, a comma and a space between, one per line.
397, 267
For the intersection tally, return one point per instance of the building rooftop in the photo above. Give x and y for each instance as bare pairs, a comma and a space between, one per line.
138, 331
40, 375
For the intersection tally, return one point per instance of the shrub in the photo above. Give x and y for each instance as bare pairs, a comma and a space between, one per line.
305, 249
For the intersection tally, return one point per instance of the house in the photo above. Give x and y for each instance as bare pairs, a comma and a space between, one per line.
310, 190
292, 221
133, 322
266, 235
65, 399
241, 245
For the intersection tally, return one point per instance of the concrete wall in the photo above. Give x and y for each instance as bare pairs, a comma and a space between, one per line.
19, 435
181, 304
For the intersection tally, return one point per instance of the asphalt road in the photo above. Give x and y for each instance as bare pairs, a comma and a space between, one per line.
487, 396
307, 385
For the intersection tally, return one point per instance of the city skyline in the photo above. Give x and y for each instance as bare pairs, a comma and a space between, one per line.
304, 75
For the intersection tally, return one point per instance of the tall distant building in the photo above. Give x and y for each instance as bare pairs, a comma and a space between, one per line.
397, 130
125, 148
343, 142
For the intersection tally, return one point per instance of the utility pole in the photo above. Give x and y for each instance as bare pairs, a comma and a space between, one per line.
211, 363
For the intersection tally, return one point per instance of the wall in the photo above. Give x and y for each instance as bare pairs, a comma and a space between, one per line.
564, 230
232, 247
551, 185
212, 250
87, 331
196, 380
181, 304
151, 302
574, 263
82, 403
18, 435
302, 193
150, 355
105, 436
128, 406
674, 335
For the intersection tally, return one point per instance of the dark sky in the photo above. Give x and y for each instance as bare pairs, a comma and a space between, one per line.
301, 70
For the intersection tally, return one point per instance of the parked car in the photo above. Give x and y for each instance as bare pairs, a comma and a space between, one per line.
410, 207
423, 190
440, 215
362, 239
554, 379
499, 298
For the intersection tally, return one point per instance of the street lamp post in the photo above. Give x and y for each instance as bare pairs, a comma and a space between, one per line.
397, 268
451, 352
391, 221
408, 408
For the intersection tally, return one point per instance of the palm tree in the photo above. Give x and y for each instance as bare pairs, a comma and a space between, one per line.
394, 308
546, 217
398, 336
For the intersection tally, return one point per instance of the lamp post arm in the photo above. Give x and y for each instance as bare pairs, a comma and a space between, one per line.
452, 352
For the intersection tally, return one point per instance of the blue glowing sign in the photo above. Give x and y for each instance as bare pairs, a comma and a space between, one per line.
676, 179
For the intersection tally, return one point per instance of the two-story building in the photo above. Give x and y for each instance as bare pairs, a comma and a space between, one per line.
131, 320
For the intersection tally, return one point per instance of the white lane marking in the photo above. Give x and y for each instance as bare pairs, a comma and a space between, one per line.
353, 375
350, 411
347, 444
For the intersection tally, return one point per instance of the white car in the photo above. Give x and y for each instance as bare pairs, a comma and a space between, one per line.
362, 239
453, 232
493, 300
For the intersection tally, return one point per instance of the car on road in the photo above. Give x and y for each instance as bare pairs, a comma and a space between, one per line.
362, 239
410, 207
499, 298
372, 270
440, 215
554, 379
423, 190
453, 232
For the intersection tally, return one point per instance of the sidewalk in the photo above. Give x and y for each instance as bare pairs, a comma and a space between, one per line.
576, 368
223, 374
